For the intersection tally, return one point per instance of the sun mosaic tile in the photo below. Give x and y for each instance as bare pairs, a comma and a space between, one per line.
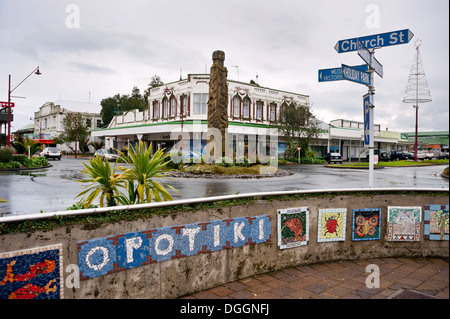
404, 223
35, 273
366, 224
107, 255
331, 224
435, 221
293, 227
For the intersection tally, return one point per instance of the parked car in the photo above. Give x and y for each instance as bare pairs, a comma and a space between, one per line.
397, 155
106, 154
334, 157
51, 152
383, 155
442, 156
429, 155
420, 155
184, 155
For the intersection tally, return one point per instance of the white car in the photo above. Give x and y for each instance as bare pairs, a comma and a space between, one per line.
106, 154
51, 152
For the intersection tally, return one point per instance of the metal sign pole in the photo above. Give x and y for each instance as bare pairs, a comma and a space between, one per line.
371, 120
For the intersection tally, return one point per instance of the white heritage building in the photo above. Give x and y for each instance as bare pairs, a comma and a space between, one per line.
180, 109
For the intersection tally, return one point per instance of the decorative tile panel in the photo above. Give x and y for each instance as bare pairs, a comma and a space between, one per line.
404, 223
107, 255
35, 273
366, 224
331, 224
293, 227
435, 221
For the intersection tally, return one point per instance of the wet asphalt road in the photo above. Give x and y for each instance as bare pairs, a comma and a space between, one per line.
55, 188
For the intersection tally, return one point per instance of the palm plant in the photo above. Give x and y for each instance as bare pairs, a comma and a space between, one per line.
104, 182
142, 170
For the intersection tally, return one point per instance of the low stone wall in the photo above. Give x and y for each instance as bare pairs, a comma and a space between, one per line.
175, 254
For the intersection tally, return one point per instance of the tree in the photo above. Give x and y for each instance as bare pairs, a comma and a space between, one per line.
110, 107
74, 123
154, 82
297, 125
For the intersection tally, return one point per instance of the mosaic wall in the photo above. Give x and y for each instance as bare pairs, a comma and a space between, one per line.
435, 221
366, 224
106, 255
293, 227
404, 223
35, 273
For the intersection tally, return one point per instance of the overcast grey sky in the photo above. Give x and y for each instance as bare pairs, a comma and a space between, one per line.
108, 47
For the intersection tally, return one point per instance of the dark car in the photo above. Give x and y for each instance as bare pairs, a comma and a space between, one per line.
334, 157
442, 156
399, 155
383, 155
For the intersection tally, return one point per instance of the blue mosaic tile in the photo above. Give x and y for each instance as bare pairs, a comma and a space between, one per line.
101, 256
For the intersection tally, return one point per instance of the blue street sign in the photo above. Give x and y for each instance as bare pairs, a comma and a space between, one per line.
375, 41
366, 108
355, 75
370, 60
335, 74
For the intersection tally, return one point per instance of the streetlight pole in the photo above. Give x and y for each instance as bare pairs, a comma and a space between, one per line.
35, 71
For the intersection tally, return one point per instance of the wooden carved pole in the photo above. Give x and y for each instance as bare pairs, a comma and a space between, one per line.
218, 101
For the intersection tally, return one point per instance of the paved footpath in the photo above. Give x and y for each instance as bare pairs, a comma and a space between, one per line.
400, 278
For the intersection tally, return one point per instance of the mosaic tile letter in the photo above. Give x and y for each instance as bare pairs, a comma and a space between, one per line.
108, 255
293, 227
331, 224
35, 273
366, 224
404, 223
436, 222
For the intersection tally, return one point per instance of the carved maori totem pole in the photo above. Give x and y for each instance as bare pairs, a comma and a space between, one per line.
217, 107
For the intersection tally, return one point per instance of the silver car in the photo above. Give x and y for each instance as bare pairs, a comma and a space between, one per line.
106, 154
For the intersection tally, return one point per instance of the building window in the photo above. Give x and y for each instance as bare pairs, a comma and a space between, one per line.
183, 105
259, 110
273, 112
173, 106
246, 108
155, 110
236, 106
165, 108
200, 103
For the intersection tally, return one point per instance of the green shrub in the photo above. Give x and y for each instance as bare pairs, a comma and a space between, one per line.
19, 158
6, 154
224, 161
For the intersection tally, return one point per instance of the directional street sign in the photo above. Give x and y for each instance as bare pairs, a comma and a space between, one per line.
355, 75
375, 41
5, 104
365, 55
335, 74
366, 108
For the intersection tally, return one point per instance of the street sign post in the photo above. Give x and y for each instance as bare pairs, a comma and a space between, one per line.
365, 46
375, 41
335, 74
355, 75
367, 109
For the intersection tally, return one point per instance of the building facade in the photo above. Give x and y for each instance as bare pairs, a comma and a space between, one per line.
180, 109
48, 121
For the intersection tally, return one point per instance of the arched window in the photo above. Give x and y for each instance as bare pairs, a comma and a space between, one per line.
155, 110
246, 108
259, 110
165, 107
173, 106
236, 106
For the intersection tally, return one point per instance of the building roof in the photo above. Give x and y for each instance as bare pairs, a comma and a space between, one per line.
75, 106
